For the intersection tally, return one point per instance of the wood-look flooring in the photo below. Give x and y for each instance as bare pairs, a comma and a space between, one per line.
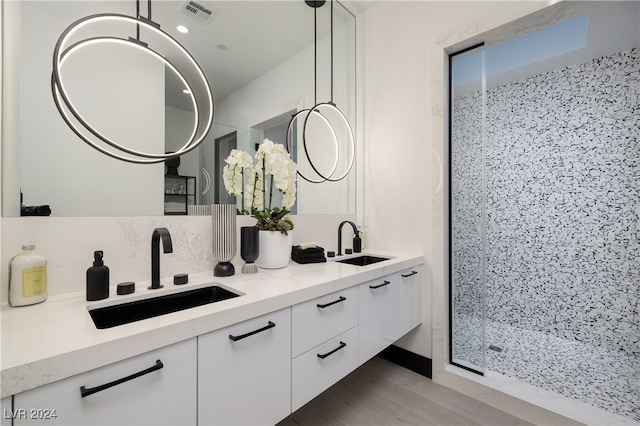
383, 393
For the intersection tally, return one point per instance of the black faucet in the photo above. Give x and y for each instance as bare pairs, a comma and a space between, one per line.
355, 234
167, 247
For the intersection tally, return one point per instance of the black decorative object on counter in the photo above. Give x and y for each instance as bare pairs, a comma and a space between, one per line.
249, 248
308, 255
97, 278
127, 287
179, 279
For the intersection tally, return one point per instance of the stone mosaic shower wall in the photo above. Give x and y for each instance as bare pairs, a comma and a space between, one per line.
467, 235
562, 165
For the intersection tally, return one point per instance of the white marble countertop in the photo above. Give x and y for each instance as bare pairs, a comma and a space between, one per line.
57, 339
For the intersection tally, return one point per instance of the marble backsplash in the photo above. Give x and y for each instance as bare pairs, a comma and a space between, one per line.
69, 243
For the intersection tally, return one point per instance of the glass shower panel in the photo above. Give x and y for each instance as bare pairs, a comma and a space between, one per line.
468, 229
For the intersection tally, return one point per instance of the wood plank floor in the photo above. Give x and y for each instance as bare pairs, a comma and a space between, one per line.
383, 393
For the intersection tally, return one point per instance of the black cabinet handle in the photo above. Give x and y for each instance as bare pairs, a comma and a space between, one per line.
373, 287
341, 299
323, 356
90, 391
408, 275
251, 333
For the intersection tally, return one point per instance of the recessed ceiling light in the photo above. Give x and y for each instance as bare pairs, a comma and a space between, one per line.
222, 46
182, 29
186, 91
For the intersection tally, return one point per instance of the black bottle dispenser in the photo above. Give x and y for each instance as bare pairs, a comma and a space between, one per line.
357, 244
97, 279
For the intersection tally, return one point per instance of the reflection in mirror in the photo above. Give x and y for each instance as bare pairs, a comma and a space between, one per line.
138, 46
256, 76
275, 129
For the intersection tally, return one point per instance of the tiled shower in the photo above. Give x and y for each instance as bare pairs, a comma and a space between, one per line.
545, 228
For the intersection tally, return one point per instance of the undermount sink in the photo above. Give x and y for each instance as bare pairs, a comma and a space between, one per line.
363, 260
125, 313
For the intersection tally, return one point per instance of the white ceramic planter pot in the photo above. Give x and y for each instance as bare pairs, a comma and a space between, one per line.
275, 249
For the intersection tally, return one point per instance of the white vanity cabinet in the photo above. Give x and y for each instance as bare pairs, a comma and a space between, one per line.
324, 346
244, 372
389, 308
255, 371
157, 387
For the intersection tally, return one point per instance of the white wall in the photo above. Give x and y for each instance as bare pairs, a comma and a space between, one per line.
400, 170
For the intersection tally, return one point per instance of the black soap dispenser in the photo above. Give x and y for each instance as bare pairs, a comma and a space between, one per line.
357, 243
97, 278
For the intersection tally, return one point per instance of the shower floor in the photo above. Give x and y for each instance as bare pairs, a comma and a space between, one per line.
592, 375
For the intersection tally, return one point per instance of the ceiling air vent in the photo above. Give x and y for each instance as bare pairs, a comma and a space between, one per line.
196, 11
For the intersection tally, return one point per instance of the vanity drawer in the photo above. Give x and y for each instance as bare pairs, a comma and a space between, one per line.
316, 370
318, 320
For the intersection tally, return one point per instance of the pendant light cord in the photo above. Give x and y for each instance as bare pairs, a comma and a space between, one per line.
315, 56
332, 52
138, 16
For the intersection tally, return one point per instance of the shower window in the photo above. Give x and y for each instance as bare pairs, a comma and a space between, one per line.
545, 206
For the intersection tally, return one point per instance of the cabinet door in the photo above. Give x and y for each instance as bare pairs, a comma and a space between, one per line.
408, 300
244, 372
316, 370
376, 319
165, 395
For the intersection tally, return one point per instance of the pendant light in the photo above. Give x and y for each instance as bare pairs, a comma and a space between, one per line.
75, 120
317, 112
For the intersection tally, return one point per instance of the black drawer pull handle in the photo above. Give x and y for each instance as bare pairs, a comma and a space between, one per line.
408, 275
373, 287
251, 333
341, 299
323, 356
86, 392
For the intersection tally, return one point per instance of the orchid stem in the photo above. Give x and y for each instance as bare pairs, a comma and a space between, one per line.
270, 192
264, 184
253, 194
242, 188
